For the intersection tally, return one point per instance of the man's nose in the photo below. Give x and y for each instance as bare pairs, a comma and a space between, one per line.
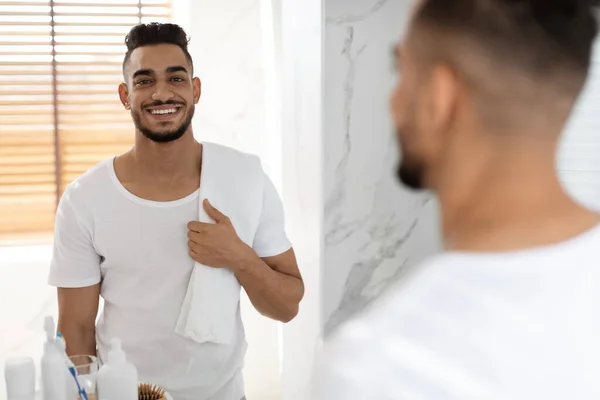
162, 92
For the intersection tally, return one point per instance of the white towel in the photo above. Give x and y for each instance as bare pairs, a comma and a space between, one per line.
233, 182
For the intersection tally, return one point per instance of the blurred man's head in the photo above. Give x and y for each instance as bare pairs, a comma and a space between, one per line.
482, 70
159, 87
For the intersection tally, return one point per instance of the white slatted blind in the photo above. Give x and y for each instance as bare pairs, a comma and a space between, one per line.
579, 154
71, 96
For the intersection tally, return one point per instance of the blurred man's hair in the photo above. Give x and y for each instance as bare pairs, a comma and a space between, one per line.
156, 33
510, 49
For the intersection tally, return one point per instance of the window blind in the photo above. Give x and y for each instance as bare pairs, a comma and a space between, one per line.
578, 160
60, 65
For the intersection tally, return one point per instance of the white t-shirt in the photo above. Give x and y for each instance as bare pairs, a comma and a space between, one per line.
138, 250
520, 325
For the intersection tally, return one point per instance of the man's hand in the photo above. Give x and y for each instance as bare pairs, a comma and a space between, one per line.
273, 284
217, 245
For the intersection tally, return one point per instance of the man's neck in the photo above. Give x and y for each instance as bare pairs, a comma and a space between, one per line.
178, 159
508, 202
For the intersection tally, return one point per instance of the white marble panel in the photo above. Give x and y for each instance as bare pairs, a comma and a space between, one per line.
374, 229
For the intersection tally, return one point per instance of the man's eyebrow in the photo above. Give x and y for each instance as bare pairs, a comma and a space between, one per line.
176, 68
143, 72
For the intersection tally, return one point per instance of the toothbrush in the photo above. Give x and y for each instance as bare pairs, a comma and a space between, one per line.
62, 345
80, 390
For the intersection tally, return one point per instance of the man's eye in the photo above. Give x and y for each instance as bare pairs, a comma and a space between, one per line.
143, 82
177, 79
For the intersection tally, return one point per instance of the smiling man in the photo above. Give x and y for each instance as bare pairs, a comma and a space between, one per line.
128, 230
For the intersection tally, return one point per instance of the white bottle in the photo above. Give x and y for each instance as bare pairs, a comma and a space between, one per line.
54, 367
117, 379
20, 378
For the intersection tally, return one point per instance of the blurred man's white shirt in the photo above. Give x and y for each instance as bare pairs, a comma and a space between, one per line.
520, 325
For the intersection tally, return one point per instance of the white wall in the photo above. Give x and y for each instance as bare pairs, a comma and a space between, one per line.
25, 300
579, 153
300, 48
231, 62
227, 48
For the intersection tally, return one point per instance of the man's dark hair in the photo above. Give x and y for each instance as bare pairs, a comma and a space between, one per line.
548, 42
156, 33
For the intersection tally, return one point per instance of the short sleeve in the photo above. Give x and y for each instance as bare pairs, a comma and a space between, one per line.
75, 262
270, 239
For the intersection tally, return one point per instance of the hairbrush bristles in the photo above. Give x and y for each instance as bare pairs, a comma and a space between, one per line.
148, 391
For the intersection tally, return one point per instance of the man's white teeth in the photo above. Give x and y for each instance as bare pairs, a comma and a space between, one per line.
160, 112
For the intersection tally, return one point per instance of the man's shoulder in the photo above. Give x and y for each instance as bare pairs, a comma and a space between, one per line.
418, 281
400, 302
373, 347
90, 183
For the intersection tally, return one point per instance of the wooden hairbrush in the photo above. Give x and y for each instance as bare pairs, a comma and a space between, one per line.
148, 391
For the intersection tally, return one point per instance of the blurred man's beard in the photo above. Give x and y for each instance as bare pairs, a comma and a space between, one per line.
163, 137
410, 171
411, 175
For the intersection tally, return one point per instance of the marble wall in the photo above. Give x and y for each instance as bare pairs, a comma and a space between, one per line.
374, 230
354, 229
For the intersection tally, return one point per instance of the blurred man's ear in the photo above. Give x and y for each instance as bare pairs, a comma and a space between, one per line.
445, 86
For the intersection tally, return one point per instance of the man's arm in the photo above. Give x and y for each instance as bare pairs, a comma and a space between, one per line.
75, 272
274, 284
77, 311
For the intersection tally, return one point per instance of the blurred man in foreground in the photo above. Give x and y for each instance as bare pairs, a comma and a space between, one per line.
510, 310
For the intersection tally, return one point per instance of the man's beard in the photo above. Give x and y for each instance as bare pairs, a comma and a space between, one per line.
410, 170
163, 137
411, 175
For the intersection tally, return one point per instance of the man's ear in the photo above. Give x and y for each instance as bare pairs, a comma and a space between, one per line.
445, 89
124, 96
197, 89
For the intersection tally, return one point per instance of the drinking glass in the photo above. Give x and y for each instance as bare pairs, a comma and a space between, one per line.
87, 370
